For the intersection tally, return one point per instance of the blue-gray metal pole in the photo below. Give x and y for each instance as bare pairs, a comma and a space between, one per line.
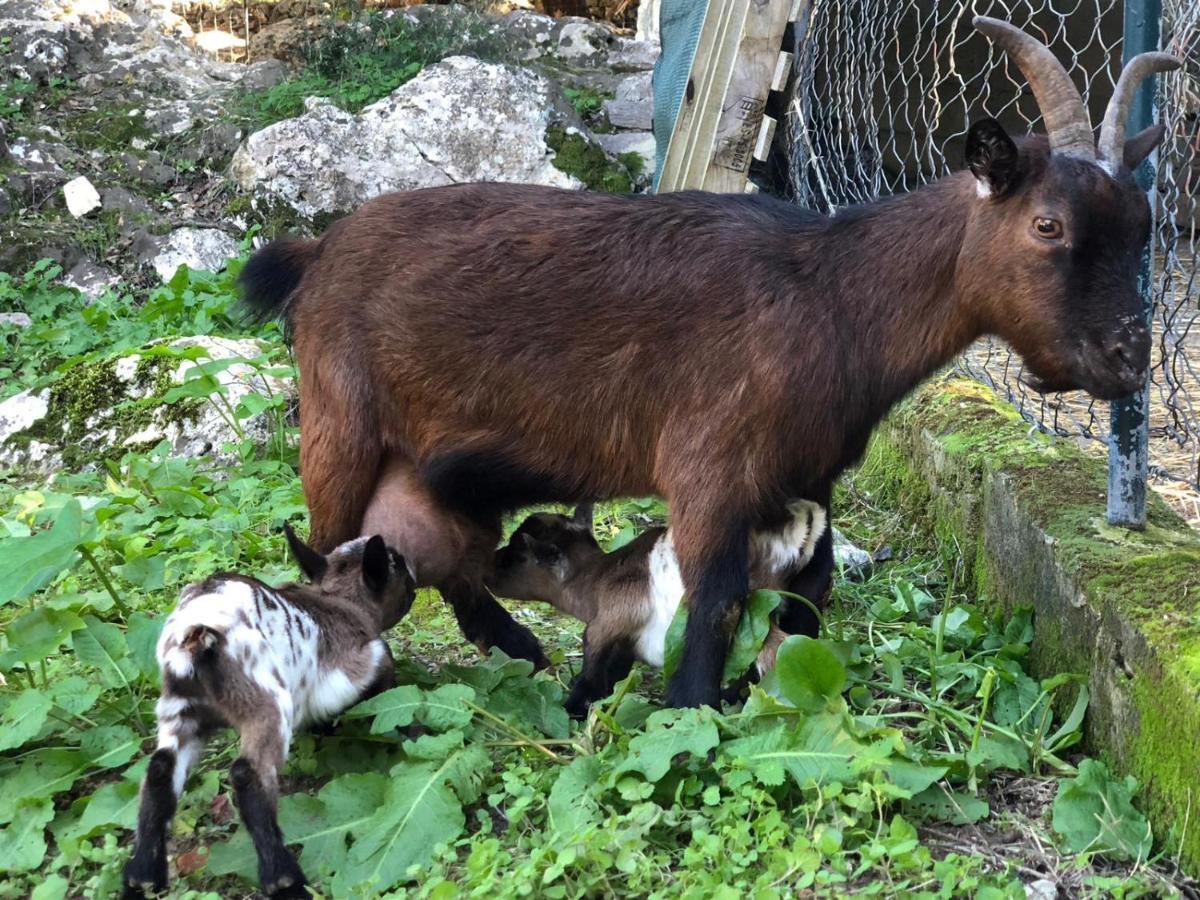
1128, 460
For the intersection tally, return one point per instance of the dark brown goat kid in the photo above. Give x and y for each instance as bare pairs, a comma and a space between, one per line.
468, 350
629, 597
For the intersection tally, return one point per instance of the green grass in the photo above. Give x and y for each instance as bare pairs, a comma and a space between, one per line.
898, 755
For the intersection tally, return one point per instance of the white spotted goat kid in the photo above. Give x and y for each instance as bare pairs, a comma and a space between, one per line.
265, 661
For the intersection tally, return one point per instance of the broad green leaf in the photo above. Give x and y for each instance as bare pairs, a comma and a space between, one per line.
937, 804
37, 635
24, 718
74, 694
506, 688
668, 733
144, 572
673, 642
1068, 733
441, 709
23, 841
53, 887
29, 564
808, 673
113, 806
141, 635
38, 775
745, 645
816, 753
1094, 811
102, 646
750, 633
913, 777
418, 811
434, 746
996, 751
109, 746
572, 805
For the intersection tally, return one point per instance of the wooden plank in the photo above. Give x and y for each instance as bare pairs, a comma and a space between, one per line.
746, 97
696, 118
766, 134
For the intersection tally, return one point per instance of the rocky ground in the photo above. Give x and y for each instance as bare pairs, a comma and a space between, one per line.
128, 150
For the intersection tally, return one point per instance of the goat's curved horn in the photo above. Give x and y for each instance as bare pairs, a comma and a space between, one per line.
1112, 133
1067, 123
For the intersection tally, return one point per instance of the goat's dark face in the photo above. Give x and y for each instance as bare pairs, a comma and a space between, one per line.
364, 570
544, 551
1050, 262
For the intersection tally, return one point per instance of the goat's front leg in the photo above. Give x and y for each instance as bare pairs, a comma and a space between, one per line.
255, 777
486, 624
179, 746
713, 553
605, 662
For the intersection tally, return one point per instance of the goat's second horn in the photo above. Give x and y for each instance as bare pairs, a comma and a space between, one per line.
1112, 133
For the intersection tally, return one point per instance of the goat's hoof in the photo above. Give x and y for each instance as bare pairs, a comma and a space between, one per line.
142, 879
518, 642
691, 693
288, 883
285, 888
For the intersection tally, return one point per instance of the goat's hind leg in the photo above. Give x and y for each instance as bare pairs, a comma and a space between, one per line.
180, 742
255, 776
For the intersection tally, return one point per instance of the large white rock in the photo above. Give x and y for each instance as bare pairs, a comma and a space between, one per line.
459, 120
203, 431
197, 248
81, 196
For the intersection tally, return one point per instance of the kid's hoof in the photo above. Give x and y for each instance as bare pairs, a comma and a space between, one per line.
286, 881
142, 880
519, 643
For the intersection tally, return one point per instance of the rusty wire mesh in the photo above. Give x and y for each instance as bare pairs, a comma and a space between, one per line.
884, 93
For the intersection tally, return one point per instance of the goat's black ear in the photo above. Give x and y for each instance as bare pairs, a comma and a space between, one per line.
583, 516
311, 563
376, 564
1142, 144
992, 157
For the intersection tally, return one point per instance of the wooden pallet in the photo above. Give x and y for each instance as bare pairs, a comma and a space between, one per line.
721, 125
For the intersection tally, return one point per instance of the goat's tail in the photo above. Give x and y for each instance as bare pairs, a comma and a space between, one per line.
270, 278
198, 646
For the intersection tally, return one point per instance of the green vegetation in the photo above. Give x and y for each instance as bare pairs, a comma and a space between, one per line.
587, 161
1134, 593
907, 752
358, 63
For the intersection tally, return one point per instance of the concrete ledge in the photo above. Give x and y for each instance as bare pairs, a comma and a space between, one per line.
1027, 514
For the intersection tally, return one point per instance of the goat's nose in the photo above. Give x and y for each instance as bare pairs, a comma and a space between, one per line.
1132, 348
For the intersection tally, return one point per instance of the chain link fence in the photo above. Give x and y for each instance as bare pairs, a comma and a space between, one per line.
884, 93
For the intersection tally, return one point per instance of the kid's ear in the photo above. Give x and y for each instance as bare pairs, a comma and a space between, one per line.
376, 566
583, 516
992, 158
311, 563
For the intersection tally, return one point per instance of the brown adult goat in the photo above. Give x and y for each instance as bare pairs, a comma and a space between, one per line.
468, 350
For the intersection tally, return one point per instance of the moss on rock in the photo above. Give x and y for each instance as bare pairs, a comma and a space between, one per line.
587, 161
92, 410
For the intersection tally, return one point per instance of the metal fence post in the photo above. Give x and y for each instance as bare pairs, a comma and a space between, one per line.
1128, 444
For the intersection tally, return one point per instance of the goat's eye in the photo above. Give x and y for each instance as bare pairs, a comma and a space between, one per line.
1050, 229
